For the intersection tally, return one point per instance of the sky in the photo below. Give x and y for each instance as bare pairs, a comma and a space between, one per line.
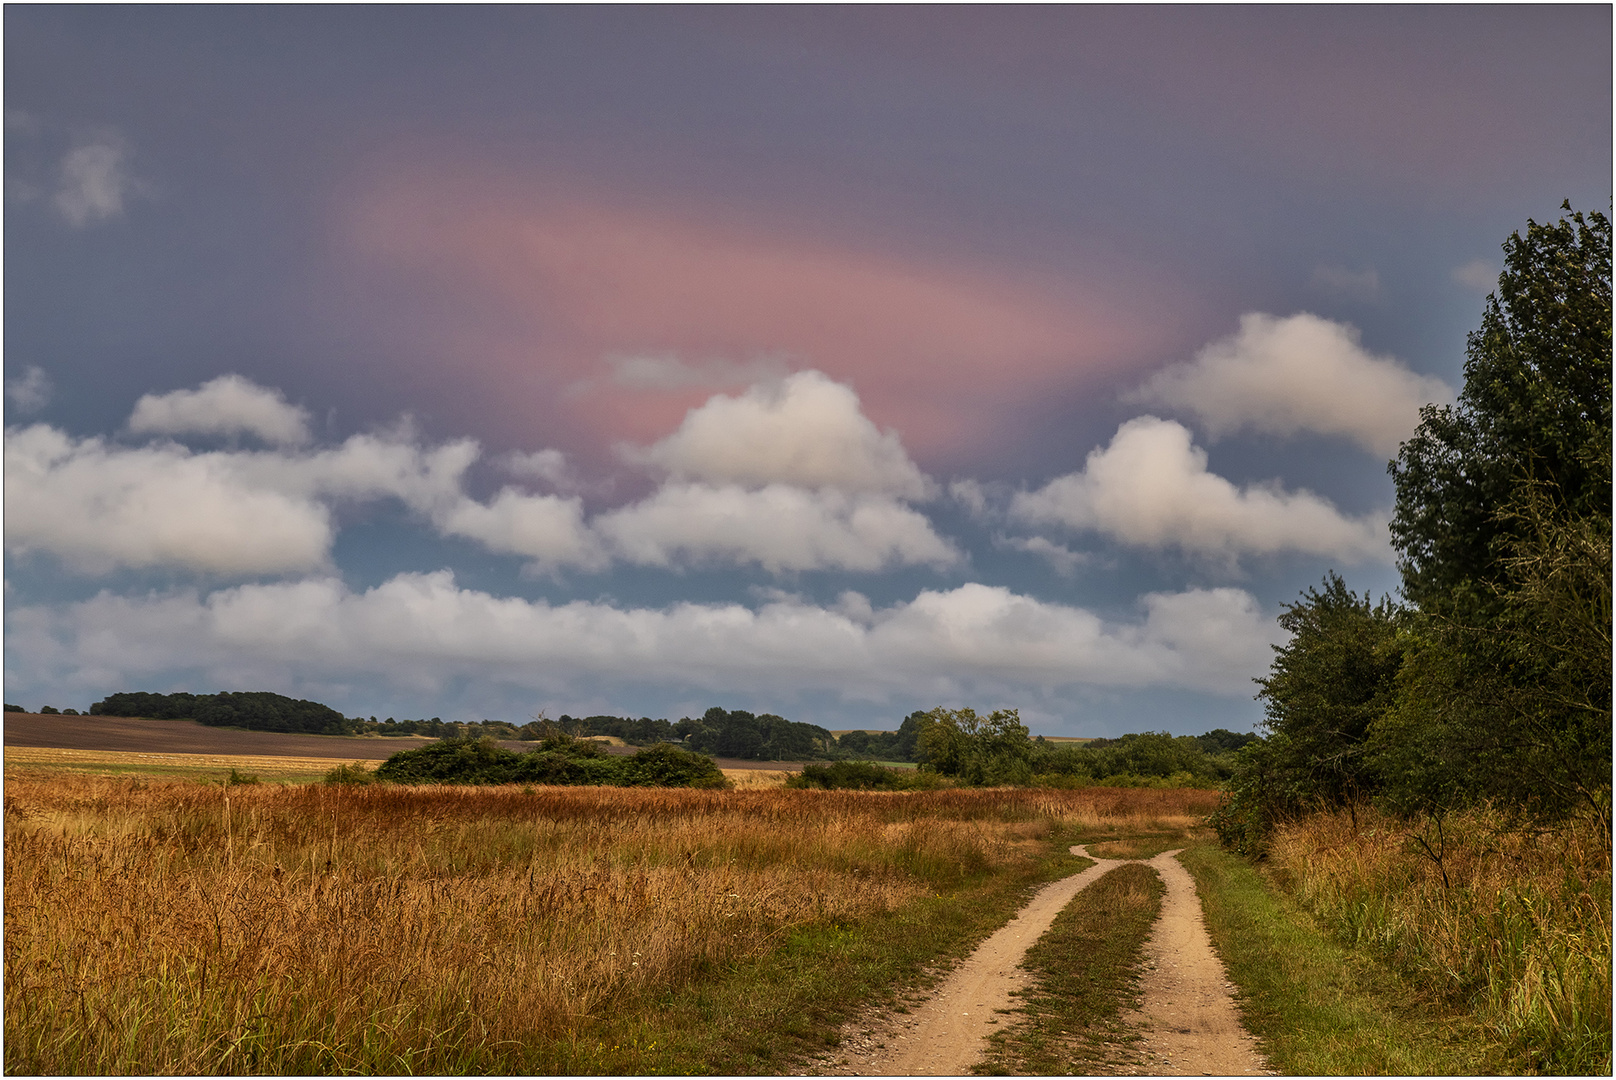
834, 362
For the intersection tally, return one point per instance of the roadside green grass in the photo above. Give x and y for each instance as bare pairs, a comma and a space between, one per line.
779, 1013
1085, 970
1315, 1007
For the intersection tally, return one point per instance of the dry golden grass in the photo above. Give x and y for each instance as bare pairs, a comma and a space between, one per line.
756, 779
171, 927
191, 766
1516, 922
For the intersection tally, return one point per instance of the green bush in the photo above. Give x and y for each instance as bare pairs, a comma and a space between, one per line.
864, 776
559, 759
665, 765
356, 773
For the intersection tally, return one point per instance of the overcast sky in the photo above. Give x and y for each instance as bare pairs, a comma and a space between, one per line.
832, 362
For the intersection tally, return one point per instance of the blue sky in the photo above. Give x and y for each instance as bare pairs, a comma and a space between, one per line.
835, 362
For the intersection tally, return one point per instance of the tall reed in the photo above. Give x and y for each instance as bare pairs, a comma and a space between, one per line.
178, 928
1513, 923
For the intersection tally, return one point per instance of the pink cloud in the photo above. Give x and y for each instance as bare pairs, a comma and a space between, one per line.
536, 290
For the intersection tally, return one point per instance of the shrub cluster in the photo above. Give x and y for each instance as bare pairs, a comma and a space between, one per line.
559, 759
864, 776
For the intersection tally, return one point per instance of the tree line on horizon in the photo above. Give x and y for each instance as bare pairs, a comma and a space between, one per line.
1007, 754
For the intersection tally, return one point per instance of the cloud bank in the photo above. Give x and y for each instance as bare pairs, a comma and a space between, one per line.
790, 477
423, 631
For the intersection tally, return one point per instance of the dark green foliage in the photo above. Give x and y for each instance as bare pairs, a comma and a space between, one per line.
451, 761
258, 711
1535, 409
1255, 797
642, 732
559, 759
900, 745
863, 776
976, 750
15, 708
1330, 682
665, 765
236, 778
70, 712
1224, 741
1503, 526
49, 710
1497, 685
740, 734
357, 773
1149, 754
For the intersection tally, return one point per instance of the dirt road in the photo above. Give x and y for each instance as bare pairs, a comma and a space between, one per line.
1189, 1021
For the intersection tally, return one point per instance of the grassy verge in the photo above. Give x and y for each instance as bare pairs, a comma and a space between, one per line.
1316, 1007
1085, 971
1509, 924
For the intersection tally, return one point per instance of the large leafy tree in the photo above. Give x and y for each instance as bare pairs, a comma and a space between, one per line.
1535, 412
1503, 527
1496, 684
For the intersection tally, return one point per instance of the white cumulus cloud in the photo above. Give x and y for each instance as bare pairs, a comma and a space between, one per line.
423, 631
1302, 373
228, 405
780, 527
1150, 488
548, 529
804, 430
97, 506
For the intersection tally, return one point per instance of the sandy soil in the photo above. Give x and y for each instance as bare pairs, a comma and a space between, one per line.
1188, 1020
944, 1036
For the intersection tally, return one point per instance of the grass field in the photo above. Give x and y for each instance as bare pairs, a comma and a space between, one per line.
157, 925
158, 920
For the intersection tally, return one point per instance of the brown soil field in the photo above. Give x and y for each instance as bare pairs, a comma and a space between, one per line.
188, 737
133, 735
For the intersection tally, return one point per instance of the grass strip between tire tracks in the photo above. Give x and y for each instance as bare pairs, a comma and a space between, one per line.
1085, 969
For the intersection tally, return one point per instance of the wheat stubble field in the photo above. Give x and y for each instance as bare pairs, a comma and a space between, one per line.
165, 926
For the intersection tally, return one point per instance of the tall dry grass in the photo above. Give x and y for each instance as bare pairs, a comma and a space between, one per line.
1514, 923
162, 927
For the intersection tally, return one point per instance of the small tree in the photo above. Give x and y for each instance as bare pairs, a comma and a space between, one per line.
994, 749
1330, 682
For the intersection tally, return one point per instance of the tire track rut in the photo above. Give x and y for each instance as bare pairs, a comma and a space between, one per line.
1191, 1025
